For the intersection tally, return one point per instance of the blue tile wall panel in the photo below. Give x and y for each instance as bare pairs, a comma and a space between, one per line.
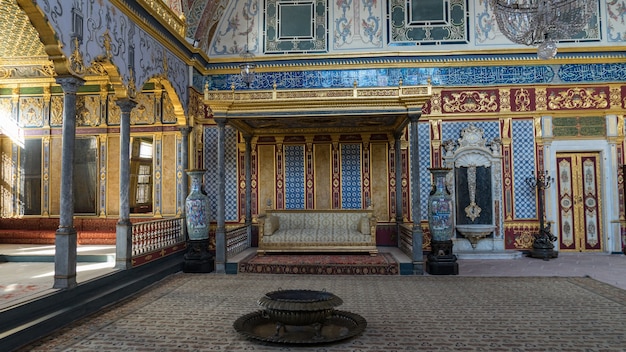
452, 130
294, 177
523, 166
389, 77
423, 132
351, 176
211, 175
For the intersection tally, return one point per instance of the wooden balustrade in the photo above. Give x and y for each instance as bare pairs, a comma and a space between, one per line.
151, 236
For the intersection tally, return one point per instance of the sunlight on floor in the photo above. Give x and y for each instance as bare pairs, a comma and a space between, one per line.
82, 268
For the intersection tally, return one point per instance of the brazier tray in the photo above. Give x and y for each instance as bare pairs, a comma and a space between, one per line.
340, 326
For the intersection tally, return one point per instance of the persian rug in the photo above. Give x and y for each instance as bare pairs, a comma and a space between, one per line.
320, 264
191, 312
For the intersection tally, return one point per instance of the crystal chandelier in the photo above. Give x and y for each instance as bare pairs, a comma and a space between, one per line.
542, 22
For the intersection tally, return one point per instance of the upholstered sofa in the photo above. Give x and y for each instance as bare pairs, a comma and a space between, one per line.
332, 230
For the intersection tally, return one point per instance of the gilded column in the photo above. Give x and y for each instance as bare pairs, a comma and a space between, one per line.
65, 237
158, 170
280, 175
336, 175
310, 174
398, 180
418, 256
124, 235
220, 232
248, 170
367, 190
45, 210
184, 161
392, 180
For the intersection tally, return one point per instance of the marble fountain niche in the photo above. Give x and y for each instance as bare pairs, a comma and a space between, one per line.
475, 182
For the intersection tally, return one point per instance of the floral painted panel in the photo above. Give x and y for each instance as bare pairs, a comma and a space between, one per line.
357, 24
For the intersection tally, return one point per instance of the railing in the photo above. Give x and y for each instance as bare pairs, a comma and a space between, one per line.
236, 240
151, 236
406, 239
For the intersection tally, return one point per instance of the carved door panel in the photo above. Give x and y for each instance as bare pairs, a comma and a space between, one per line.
579, 217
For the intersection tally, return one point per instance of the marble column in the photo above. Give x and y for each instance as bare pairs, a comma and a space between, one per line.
66, 238
418, 235
124, 229
248, 170
220, 231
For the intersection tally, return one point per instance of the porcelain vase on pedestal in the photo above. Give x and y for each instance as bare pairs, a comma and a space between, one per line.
441, 260
198, 257
197, 208
440, 207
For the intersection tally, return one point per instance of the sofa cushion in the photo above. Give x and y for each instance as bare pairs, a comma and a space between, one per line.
271, 225
316, 236
364, 225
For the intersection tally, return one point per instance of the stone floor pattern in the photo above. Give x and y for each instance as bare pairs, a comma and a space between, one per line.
195, 312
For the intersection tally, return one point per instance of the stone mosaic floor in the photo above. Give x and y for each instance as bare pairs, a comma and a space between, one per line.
195, 312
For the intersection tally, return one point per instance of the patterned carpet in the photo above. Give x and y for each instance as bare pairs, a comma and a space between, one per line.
320, 264
196, 312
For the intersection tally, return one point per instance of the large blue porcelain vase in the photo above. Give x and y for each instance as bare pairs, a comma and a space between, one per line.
440, 207
197, 208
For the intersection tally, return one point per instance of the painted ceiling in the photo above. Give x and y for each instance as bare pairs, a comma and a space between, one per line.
24, 41
202, 17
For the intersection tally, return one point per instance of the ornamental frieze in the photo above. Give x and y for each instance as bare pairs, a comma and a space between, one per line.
31, 111
470, 101
88, 110
578, 98
143, 113
623, 97
56, 110
523, 99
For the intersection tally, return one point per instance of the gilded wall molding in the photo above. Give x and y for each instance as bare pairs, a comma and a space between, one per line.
521, 100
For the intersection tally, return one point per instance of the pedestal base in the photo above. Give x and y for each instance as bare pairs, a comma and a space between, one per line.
543, 253
198, 259
441, 261
442, 268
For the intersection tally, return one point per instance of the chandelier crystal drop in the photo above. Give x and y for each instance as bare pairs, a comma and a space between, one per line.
542, 22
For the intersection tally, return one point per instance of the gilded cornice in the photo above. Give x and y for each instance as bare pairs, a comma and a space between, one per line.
169, 18
26, 71
383, 109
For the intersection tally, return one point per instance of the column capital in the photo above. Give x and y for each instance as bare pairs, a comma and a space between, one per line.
70, 84
415, 115
126, 105
185, 130
221, 122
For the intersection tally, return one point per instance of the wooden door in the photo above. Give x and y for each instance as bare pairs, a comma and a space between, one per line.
579, 201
